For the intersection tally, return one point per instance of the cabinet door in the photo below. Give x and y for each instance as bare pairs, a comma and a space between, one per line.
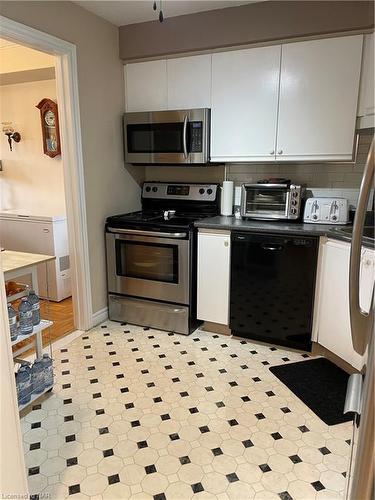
213, 277
366, 107
332, 315
334, 321
244, 104
318, 99
189, 82
146, 86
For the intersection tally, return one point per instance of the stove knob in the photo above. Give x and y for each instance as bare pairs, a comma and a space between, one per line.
294, 202
148, 189
294, 211
154, 189
314, 217
294, 194
209, 191
201, 191
334, 217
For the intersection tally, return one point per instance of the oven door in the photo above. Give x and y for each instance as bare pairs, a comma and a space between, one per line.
164, 137
265, 201
140, 264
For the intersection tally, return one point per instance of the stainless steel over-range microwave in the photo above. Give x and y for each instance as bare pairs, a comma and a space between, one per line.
167, 137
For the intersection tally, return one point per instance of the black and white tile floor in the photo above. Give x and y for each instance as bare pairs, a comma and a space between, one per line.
143, 414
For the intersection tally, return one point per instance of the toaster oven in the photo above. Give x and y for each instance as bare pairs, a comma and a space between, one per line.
271, 201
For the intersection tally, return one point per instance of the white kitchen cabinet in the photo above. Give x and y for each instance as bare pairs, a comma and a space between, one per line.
318, 99
366, 106
146, 86
244, 104
331, 317
189, 82
213, 277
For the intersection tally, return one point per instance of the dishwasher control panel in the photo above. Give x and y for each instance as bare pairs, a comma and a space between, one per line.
326, 211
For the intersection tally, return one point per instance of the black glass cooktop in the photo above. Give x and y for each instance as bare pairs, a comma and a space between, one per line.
155, 220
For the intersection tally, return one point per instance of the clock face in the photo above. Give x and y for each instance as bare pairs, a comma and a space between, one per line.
49, 118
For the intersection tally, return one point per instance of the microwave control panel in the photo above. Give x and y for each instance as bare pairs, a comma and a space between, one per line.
196, 135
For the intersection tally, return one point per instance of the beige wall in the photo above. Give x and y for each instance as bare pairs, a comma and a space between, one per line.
14, 57
30, 180
259, 22
109, 187
318, 175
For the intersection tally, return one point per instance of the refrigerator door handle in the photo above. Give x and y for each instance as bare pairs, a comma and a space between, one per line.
353, 399
361, 322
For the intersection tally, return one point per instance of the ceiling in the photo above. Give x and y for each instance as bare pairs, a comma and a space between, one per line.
6, 43
137, 11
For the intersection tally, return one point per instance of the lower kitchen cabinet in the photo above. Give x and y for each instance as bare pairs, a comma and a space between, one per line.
332, 320
213, 277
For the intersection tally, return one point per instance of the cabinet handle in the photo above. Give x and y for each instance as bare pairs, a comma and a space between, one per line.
45, 230
272, 152
367, 262
226, 243
280, 152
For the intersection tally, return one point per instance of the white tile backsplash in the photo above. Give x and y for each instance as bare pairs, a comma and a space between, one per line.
334, 176
350, 194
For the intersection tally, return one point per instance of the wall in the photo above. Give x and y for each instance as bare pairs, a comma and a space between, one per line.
15, 57
256, 23
30, 180
318, 175
109, 187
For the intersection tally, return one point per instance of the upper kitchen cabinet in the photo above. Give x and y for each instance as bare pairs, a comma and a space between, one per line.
146, 86
189, 82
318, 99
245, 87
366, 107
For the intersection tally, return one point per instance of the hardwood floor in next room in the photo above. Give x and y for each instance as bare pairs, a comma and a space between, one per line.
61, 313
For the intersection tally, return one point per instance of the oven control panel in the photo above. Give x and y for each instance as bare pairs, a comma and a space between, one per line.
179, 191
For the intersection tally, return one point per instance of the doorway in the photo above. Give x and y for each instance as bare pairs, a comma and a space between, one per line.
13, 469
32, 195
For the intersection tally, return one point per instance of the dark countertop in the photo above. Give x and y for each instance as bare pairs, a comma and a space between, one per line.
294, 228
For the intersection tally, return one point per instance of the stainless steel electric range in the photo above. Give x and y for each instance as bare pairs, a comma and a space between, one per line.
151, 256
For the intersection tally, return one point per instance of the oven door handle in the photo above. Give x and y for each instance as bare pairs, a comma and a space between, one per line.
140, 232
184, 137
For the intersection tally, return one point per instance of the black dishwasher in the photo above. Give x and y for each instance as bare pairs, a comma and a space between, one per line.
272, 288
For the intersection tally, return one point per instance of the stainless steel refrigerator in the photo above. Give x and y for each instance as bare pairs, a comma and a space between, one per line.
360, 393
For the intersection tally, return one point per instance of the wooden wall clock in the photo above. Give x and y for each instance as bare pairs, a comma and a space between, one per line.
50, 127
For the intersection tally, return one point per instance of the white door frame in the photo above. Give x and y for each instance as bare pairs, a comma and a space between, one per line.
70, 130
13, 466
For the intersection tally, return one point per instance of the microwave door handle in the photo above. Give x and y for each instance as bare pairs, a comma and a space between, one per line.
184, 137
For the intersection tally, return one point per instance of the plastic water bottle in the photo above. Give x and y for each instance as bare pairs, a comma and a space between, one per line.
12, 315
26, 317
48, 371
24, 383
37, 376
34, 301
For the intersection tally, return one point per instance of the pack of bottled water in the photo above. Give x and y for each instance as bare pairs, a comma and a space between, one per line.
33, 379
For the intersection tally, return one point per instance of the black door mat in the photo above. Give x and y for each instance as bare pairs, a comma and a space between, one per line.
320, 384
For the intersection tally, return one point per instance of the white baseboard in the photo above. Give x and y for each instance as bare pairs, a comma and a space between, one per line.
99, 317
